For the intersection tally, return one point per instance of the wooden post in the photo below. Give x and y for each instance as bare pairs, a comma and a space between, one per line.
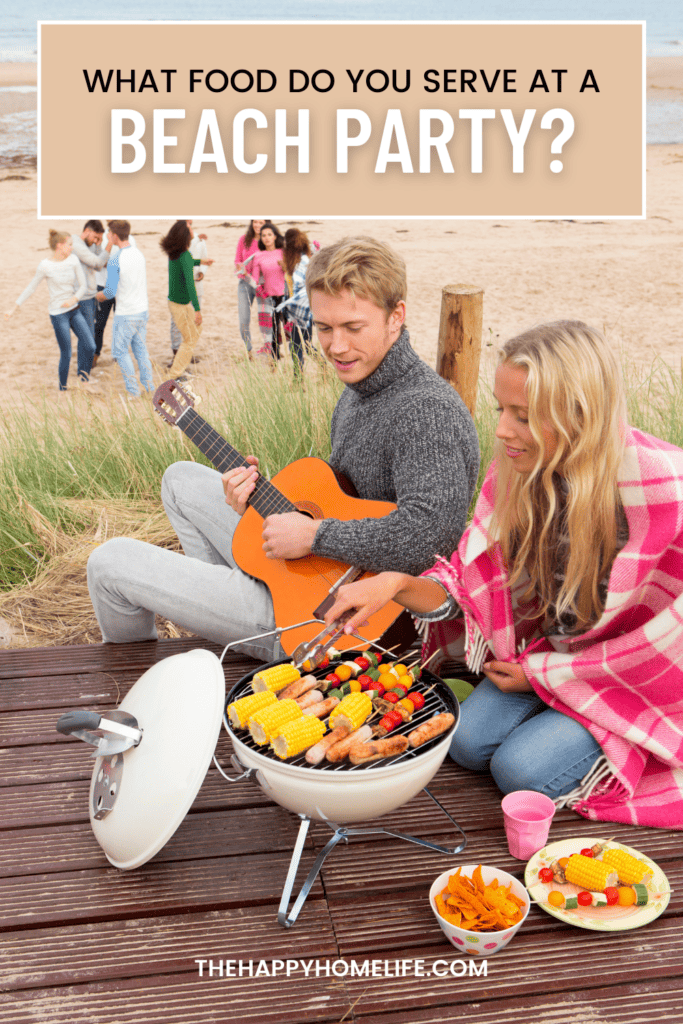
459, 351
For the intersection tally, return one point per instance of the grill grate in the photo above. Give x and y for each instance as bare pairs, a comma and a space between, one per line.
438, 699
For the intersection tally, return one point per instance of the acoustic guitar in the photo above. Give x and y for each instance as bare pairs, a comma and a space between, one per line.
300, 587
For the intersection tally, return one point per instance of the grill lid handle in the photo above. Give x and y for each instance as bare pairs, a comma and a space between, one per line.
119, 730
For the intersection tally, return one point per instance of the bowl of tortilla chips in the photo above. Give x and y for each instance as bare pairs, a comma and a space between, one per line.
479, 907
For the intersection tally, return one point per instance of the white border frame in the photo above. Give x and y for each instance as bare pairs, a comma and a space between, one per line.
289, 215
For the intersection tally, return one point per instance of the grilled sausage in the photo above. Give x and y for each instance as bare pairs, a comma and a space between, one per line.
340, 750
376, 749
314, 755
322, 708
433, 727
298, 687
312, 697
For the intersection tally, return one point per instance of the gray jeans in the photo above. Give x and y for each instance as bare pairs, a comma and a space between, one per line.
246, 293
203, 590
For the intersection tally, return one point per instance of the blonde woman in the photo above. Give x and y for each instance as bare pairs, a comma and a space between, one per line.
567, 589
66, 285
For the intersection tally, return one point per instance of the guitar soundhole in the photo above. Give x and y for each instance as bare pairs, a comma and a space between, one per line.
310, 509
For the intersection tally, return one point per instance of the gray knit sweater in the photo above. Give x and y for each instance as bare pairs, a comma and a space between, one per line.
404, 435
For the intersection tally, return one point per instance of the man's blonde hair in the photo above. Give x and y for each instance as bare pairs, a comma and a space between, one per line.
362, 265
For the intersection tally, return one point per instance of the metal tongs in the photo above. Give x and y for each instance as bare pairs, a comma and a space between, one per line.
315, 650
119, 730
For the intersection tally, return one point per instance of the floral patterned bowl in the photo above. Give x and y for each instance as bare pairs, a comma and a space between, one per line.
479, 943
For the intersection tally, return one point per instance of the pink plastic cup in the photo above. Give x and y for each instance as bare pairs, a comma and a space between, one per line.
527, 817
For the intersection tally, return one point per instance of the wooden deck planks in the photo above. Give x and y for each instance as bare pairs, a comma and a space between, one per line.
158, 945
634, 1003
182, 999
105, 893
82, 942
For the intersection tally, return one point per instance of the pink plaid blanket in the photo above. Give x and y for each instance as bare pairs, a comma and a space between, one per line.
623, 679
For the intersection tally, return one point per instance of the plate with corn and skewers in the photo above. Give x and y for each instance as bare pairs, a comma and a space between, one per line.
598, 884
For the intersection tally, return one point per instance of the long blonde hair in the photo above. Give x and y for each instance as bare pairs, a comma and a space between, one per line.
574, 388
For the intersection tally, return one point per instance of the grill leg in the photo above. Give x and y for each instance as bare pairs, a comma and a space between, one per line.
288, 919
413, 839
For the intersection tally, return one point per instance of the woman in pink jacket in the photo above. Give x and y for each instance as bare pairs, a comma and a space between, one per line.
567, 590
246, 289
267, 265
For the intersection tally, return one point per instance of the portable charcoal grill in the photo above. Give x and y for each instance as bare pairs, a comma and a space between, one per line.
153, 752
338, 794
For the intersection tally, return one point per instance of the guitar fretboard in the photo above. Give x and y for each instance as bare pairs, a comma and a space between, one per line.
265, 498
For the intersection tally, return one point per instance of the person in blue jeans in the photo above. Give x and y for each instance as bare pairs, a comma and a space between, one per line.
127, 281
66, 285
93, 258
534, 578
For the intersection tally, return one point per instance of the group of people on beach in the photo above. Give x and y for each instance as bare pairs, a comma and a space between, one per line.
565, 589
88, 276
271, 268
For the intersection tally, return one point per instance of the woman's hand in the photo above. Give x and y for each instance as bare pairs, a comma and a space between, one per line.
508, 677
197, 317
207, 263
367, 597
68, 302
238, 484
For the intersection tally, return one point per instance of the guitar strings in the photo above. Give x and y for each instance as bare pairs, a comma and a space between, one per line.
266, 498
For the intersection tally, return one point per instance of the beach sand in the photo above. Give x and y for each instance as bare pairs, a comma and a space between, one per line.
624, 276
665, 78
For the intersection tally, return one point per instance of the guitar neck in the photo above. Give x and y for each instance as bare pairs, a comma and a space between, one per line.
266, 499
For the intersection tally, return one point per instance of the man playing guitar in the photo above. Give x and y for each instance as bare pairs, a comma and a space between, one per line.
400, 433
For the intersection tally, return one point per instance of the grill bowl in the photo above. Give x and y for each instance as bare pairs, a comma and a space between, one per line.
345, 793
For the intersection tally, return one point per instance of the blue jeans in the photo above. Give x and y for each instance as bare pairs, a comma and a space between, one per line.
130, 332
87, 308
524, 743
64, 324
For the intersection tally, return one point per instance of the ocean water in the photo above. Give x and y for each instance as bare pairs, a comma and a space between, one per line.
664, 17
664, 36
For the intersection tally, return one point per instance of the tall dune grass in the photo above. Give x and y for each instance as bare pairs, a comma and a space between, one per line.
76, 473
61, 466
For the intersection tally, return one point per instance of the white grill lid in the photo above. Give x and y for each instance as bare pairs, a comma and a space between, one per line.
178, 704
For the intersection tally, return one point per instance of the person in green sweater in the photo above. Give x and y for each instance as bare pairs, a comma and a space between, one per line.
186, 317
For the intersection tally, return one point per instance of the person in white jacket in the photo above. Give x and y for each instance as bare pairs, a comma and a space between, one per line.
66, 285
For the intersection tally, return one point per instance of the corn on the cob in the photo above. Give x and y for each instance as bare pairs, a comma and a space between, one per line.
628, 868
295, 737
266, 724
274, 678
352, 711
240, 710
589, 873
